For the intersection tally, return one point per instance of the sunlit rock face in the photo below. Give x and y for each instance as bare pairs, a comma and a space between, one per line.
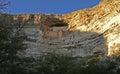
103, 19
109, 28
37, 19
80, 33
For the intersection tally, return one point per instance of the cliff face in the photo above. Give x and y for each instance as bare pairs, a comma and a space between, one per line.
86, 16
103, 19
88, 31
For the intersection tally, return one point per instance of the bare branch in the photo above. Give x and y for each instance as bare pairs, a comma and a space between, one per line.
3, 5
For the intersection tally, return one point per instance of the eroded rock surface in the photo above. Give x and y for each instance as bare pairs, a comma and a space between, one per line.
76, 43
103, 19
81, 33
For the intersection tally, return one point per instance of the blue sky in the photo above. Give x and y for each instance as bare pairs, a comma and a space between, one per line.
49, 6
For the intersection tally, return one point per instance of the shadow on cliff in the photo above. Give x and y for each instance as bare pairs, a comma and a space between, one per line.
86, 43
80, 43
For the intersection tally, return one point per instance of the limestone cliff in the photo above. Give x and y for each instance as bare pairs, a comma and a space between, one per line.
103, 19
88, 31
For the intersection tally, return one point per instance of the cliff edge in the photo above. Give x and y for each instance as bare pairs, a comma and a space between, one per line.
88, 31
103, 19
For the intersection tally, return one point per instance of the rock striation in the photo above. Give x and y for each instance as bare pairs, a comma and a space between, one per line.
103, 19
80, 33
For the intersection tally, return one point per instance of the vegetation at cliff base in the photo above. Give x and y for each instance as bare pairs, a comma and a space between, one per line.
54, 63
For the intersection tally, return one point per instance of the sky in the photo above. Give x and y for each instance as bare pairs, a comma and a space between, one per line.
49, 6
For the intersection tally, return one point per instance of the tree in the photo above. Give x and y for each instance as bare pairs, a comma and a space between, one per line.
11, 41
3, 5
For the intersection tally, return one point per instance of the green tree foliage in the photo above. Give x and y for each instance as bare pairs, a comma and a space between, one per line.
11, 41
61, 64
